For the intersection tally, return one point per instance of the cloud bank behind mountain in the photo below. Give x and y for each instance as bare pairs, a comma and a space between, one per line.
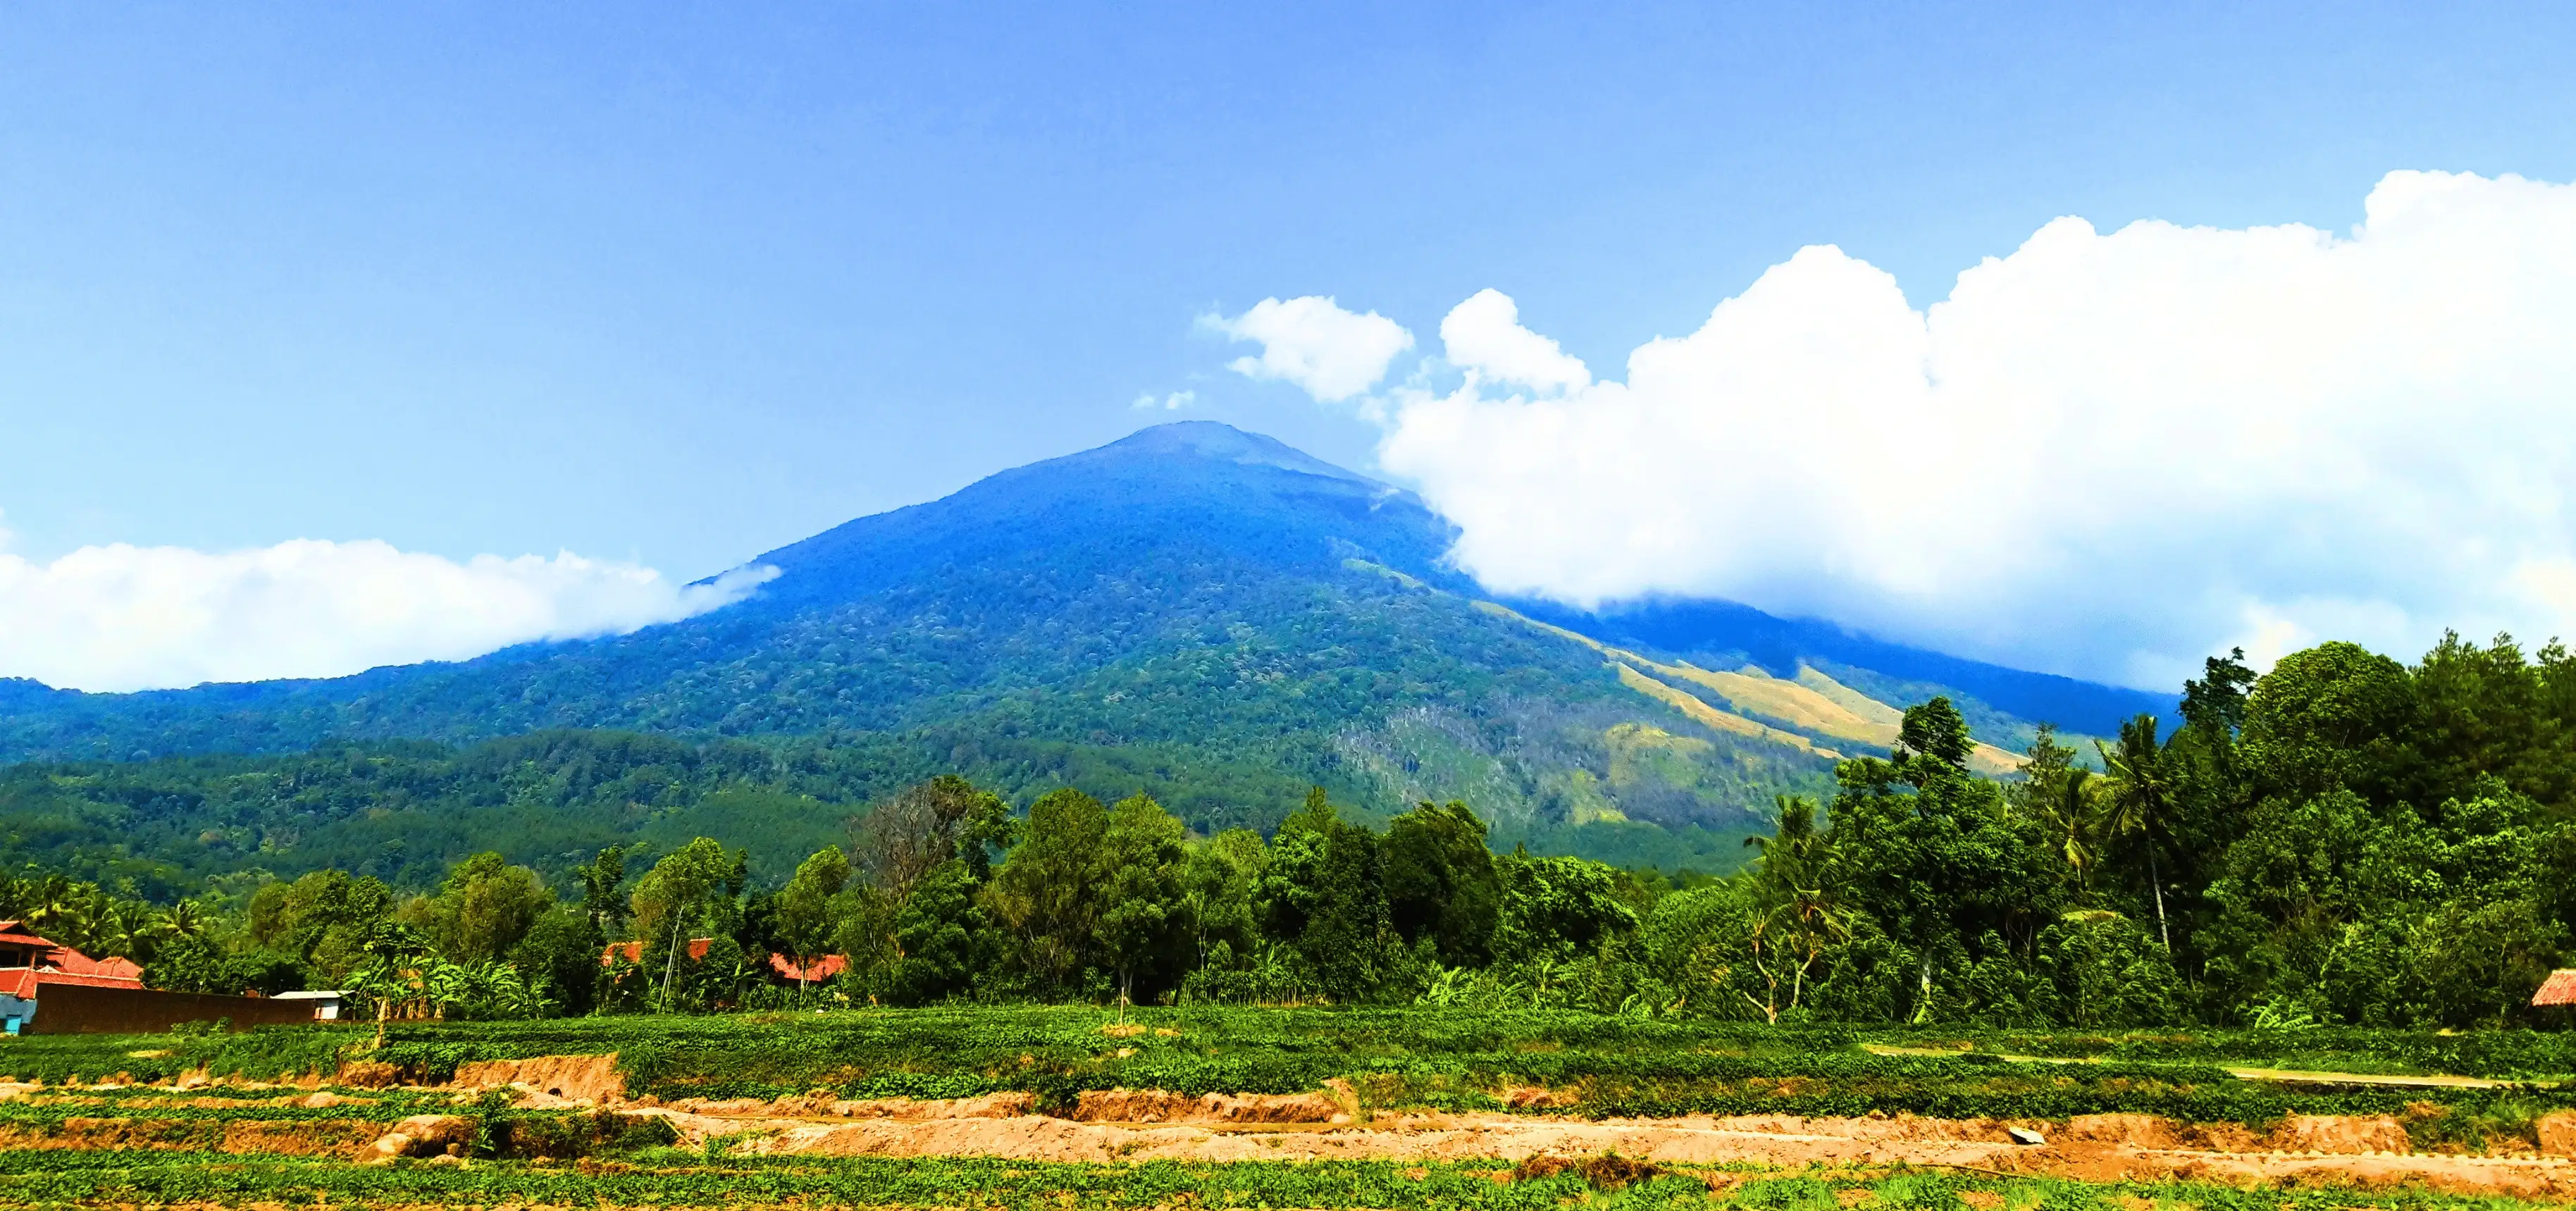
2105, 454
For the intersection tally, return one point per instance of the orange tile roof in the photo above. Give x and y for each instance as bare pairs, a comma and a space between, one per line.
12, 935
633, 952
59, 964
2558, 989
73, 962
820, 969
29, 982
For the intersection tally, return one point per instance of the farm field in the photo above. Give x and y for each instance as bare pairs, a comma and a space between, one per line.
1019, 1106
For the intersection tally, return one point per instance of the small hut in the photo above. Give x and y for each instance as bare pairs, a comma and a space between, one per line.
2558, 989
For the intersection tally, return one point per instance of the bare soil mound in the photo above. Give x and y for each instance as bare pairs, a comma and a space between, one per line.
1157, 1106
571, 1078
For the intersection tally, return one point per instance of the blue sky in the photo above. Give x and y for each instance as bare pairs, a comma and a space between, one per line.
676, 285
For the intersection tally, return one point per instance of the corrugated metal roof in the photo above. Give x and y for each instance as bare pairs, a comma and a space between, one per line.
2558, 989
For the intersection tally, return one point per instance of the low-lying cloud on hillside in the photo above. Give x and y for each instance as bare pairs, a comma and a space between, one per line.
127, 618
2106, 454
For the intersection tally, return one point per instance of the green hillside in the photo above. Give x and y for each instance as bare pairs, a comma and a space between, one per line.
1196, 612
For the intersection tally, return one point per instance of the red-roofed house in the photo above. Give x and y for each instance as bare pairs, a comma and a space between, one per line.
814, 972
633, 952
81, 995
2558, 989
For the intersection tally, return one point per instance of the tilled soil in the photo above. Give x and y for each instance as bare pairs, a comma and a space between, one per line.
2102, 1148
1121, 1124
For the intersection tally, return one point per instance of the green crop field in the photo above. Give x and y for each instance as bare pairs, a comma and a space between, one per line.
1395, 1059
671, 1178
205, 1119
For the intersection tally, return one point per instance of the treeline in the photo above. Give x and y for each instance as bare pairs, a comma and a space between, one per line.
944, 893
2343, 840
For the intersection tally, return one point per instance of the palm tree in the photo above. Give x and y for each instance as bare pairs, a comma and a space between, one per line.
2140, 792
186, 919
54, 903
1796, 879
2071, 818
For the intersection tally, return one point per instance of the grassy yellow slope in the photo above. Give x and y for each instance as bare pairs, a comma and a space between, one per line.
1813, 703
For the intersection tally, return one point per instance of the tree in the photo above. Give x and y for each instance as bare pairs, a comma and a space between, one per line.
1795, 915
1218, 879
560, 955
1696, 940
2136, 803
395, 971
1556, 909
324, 919
940, 938
1323, 891
804, 918
601, 879
926, 824
2056, 796
1931, 852
1440, 882
2334, 715
684, 891
1142, 921
482, 910
2487, 712
1044, 891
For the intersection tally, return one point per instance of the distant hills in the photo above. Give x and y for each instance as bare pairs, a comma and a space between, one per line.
1195, 611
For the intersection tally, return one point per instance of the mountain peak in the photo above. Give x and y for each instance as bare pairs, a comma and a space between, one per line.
1223, 443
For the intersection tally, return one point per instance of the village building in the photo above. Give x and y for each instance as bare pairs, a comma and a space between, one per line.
780, 967
49, 988
2558, 989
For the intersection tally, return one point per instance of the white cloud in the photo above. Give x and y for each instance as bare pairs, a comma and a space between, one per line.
2104, 454
1484, 337
1311, 342
1169, 403
124, 618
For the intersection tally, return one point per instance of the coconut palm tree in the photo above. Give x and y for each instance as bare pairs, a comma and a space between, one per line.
2071, 815
1794, 884
2139, 796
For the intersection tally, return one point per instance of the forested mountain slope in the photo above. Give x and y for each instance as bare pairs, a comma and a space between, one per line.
1195, 611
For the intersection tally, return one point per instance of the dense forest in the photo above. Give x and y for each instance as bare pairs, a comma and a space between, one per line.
2344, 839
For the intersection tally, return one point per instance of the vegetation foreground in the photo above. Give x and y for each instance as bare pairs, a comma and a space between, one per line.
285, 1115
681, 1179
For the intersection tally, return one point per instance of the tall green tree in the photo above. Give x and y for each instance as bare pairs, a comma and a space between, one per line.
692, 889
484, 908
1219, 879
1796, 905
1440, 882
1932, 854
1324, 892
2138, 803
1143, 927
803, 910
1045, 892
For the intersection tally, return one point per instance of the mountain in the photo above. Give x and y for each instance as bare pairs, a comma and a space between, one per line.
1199, 612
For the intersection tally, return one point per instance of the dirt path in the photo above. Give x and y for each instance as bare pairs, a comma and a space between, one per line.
2340, 1151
